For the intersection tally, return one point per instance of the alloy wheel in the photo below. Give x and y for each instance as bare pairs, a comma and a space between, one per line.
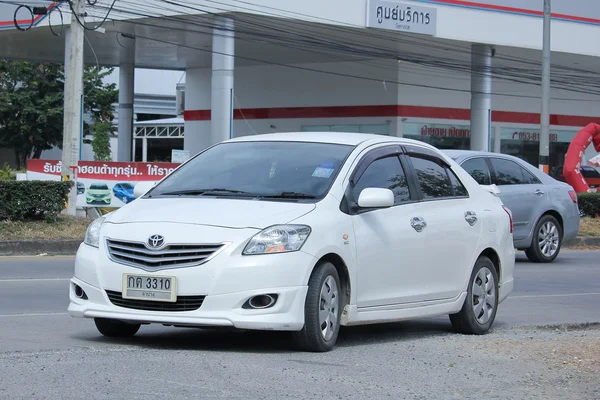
329, 307
484, 295
548, 239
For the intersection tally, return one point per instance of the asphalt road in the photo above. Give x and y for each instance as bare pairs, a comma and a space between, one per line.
44, 353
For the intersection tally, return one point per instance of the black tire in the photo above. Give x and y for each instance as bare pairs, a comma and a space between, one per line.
115, 328
534, 253
310, 338
465, 321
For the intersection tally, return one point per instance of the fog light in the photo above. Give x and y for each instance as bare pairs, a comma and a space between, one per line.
79, 292
261, 301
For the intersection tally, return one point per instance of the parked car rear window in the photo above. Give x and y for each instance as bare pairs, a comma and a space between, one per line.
385, 173
478, 169
261, 168
510, 173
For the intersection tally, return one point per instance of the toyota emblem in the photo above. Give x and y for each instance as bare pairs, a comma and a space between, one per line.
156, 241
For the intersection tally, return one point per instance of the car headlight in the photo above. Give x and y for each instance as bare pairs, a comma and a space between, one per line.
278, 239
92, 235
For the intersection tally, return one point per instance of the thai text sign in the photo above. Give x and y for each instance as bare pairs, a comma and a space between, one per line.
401, 17
102, 184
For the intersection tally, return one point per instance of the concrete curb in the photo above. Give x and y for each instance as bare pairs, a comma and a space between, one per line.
590, 241
37, 247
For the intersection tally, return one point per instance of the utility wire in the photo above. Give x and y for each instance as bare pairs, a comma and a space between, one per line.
448, 65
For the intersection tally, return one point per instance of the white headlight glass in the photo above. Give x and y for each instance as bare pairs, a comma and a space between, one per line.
278, 239
92, 235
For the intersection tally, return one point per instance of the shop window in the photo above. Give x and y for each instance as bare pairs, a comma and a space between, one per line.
525, 144
159, 150
439, 135
379, 129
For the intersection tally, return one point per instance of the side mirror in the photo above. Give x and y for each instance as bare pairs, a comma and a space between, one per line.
376, 198
142, 188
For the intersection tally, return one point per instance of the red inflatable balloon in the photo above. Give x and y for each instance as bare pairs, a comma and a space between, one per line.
571, 169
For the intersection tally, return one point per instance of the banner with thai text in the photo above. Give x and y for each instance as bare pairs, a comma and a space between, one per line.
102, 184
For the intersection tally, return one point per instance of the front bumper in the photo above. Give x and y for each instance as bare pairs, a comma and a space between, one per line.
223, 310
100, 200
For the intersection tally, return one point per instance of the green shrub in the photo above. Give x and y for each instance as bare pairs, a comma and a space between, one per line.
5, 173
589, 203
23, 200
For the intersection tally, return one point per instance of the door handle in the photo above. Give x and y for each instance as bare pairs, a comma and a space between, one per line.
471, 217
418, 223
539, 192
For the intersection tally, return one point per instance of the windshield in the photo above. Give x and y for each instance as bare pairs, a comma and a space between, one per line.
258, 169
126, 185
97, 186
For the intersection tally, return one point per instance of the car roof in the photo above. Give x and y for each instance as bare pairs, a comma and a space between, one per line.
458, 154
343, 138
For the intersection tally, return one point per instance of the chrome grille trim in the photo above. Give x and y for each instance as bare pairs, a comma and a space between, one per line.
171, 256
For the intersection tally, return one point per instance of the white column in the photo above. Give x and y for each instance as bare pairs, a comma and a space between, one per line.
481, 98
126, 93
144, 150
222, 80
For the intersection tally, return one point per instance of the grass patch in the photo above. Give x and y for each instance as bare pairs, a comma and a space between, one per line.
66, 227
589, 226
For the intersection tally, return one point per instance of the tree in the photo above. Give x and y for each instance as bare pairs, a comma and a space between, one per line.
99, 100
31, 105
101, 141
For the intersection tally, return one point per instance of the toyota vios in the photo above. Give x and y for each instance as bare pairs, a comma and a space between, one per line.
301, 232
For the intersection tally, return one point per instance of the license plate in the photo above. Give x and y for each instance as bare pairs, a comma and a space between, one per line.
150, 287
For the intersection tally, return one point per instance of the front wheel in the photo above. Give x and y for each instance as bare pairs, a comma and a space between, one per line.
321, 310
547, 240
115, 328
479, 310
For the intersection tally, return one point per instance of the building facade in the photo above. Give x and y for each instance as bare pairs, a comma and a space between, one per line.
452, 73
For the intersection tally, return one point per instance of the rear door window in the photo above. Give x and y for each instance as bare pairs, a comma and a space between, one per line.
433, 178
384, 173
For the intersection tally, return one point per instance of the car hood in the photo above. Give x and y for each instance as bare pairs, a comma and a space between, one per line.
230, 213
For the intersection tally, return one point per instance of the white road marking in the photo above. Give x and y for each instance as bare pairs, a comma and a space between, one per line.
35, 280
31, 315
553, 295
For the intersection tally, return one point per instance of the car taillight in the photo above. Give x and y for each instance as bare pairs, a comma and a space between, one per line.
509, 218
573, 195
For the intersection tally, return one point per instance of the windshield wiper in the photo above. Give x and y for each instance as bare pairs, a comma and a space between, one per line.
206, 192
288, 195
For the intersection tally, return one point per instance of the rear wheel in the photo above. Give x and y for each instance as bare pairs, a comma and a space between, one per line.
479, 310
115, 328
321, 310
547, 240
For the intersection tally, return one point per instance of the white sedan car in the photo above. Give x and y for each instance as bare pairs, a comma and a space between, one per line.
300, 232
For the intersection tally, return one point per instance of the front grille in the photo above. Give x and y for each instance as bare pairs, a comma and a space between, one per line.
173, 256
183, 303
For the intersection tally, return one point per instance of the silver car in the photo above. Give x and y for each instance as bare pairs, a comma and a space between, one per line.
545, 211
